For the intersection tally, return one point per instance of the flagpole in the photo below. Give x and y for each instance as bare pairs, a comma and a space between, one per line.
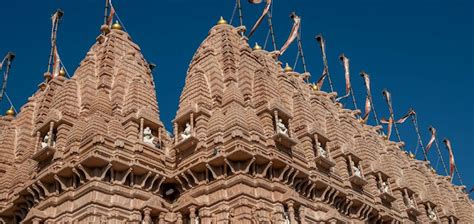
369, 94
106, 10
241, 17
300, 49
321, 41
389, 102
440, 156
8, 59
270, 24
420, 141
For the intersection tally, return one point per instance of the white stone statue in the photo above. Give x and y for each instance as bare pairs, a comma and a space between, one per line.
384, 187
322, 152
45, 141
410, 202
281, 128
187, 132
356, 170
432, 214
148, 136
287, 218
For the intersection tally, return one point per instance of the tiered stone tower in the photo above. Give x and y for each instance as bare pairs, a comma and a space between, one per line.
252, 143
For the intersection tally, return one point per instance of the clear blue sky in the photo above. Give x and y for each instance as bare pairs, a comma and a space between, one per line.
422, 51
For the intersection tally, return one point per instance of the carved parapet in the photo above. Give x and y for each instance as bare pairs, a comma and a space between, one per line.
43, 154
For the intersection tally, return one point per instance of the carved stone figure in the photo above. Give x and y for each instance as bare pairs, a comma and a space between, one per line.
384, 187
148, 136
281, 128
321, 151
356, 170
187, 132
45, 141
432, 214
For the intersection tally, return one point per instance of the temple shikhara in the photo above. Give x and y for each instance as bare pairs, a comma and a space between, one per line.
252, 142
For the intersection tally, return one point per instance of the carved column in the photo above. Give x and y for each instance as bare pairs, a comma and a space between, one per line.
38, 139
275, 115
50, 133
302, 215
291, 212
162, 218
191, 123
147, 216
192, 214
175, 133
351, 169
179, 218
140, 137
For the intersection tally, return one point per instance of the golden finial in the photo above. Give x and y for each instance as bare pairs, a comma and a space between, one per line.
221, 21
62, 72
257, 47
412, 155
116, 26
10, 112
288, 68
314, 87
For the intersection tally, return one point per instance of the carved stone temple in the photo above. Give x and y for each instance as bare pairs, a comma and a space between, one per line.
252, 143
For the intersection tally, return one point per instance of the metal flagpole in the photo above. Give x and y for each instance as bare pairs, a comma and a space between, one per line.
441, 156
389, 102
362, 73
241, 17
322, 43
270, 24
420, 141
106, 10
8, 59
300, 49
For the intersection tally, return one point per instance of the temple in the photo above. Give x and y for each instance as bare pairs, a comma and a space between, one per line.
252, 143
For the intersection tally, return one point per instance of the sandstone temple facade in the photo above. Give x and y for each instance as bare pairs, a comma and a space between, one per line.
252, 143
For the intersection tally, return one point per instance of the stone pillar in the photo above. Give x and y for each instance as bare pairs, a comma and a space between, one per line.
50, 133
179, 218
302, 215
291, 212
161, 219
191, 123
350, 165
175, 133
147, 216
275, 115
140, 135
192, 214
38, 141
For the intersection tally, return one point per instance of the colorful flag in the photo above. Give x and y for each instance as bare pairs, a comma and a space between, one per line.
56, 60
368, 104
293, 34
111, 15
322, 45
345, 62
389, 123
265, 12
410, 113
432, 139
320, 82
451, 157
